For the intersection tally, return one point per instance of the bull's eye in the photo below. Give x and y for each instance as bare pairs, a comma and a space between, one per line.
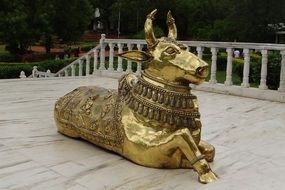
170, 50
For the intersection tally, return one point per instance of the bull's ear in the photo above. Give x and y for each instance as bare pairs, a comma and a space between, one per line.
137, 56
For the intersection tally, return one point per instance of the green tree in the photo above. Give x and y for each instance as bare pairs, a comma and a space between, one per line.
72, 18
24, 22
105, 12
14, 28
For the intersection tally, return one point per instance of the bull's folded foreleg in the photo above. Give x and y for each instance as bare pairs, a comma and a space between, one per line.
185, 142
207, 149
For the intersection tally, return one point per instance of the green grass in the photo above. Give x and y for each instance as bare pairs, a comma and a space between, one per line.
3, 51
221, 78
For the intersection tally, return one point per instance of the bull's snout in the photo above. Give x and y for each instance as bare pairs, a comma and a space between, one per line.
202, 71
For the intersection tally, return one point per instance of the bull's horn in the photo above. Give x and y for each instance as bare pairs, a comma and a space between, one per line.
149, 35
171, 26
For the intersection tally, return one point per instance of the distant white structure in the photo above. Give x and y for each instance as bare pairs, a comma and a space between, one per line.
97, 25
236, 53
280, 32
97, 13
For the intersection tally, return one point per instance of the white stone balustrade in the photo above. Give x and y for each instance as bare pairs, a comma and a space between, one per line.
245, 80
102, 52
111, 57
263, 74
199, 52
139, 65
87, 68
95, 60
22, 75
73, 70
229, 81
282, 73
111, 47
129, 66
80, 67
120, 60
213, 66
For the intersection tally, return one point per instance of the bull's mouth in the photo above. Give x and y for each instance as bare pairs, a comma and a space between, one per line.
191, 79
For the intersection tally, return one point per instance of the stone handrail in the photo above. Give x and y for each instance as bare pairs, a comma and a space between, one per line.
70, 70
107, 63
262, 92
37, 74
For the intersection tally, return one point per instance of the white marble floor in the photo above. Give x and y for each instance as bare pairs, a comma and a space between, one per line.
249, 136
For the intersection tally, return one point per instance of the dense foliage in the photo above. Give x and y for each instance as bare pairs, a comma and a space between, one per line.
12, 70
219, 20
273, 70
24, 22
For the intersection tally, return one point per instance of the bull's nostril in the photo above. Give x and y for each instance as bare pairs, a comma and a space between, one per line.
202, 71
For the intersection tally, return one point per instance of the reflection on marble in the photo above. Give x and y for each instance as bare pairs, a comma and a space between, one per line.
249, 136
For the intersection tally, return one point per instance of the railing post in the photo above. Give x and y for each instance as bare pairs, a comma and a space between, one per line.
187, 47
34, 71
213, 66
66, 73
139, 66
282, 73
245, 79
22, 75
129, 67
95, 61
73, 70
229, 81
199, 52
87, 69
102, 52
47, 73
111, 57
80, 67
263, 73
120, 60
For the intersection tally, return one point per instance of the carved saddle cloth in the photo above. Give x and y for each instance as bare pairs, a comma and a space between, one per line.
96, 114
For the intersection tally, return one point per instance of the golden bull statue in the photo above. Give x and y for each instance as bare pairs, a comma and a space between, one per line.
153, 120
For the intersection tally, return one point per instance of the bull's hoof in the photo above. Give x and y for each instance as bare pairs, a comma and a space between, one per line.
208, 150
208, 177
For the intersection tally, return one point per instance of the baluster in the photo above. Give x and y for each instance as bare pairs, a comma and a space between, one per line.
187, 47
102, 53
22, 75
120, 60
111, 57
213, 79
282, 73
200, 52
245, 79
66, 72
34, 71
95, 61
47, 74
139, 66
80, 64
263, 73
129, 67
229, 81
73, 70
87, 69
